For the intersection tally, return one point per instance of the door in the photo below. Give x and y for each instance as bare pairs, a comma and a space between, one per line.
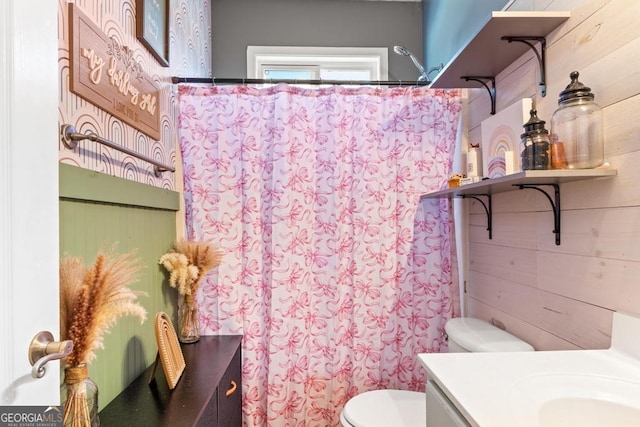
28, 196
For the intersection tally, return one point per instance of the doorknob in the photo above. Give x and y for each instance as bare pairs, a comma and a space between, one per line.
44, 349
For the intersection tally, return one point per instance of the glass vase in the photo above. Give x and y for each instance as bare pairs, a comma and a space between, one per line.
188, 328
80, 395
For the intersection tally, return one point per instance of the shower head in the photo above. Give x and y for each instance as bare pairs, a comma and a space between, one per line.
401, 50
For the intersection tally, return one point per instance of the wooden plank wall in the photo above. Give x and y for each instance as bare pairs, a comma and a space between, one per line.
99, 212
563, 297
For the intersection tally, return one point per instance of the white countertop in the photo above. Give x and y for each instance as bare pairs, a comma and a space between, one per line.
507, 389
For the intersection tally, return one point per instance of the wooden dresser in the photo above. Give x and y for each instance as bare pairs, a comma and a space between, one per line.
209, 392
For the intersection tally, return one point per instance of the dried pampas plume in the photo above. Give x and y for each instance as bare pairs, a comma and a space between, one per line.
92, 299
189, 262
203, 255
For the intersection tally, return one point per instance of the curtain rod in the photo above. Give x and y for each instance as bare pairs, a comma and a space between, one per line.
245, 81
69, 138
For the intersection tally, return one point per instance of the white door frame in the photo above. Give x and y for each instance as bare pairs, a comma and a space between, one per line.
29, 226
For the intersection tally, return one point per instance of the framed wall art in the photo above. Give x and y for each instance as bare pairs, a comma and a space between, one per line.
501, 145
152, 28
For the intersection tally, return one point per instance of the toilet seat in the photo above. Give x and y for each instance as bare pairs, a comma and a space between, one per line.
384, 408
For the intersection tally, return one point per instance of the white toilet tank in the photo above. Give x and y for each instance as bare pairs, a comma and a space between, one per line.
408, 408
474, 335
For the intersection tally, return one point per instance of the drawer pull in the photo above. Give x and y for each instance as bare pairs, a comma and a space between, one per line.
232, 389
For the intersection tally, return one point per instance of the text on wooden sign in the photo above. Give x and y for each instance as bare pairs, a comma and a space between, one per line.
106, 74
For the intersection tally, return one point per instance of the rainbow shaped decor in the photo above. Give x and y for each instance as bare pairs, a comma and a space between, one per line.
501, 136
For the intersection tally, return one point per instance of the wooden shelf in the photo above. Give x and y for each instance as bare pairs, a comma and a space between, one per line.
510, 182
536, 180
487, 55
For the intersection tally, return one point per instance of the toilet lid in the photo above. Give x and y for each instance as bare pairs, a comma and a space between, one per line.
384, 408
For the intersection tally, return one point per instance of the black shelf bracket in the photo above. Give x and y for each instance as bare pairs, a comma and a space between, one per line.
492, 90
487, 209
541, 55
555, 205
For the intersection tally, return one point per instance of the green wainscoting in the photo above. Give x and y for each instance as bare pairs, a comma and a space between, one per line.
98, 211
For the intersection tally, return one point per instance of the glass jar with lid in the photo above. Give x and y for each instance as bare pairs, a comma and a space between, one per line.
535, 139
576, 128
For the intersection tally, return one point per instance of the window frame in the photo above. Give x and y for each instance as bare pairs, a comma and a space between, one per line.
373, 59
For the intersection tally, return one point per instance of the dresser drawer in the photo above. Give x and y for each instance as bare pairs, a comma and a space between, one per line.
209, 415
230, 394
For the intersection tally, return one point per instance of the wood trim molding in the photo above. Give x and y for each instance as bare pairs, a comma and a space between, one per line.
84, 184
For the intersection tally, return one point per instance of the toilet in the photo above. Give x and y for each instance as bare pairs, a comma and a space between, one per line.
402, 408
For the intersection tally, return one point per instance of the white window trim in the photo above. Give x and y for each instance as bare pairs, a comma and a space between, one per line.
375, 59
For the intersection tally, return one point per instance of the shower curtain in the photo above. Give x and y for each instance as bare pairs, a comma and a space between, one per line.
335, 272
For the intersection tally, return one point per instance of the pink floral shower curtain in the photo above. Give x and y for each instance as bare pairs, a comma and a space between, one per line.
335, 272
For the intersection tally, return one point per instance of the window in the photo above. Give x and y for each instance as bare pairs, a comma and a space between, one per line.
317, 63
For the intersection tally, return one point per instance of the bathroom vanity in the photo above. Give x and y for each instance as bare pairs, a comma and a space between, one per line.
538, 389
440, 411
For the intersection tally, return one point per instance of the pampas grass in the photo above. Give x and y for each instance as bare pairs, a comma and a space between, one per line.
92, 299
188, 264
182, 274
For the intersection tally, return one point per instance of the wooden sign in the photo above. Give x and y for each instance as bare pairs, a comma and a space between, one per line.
105, 73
